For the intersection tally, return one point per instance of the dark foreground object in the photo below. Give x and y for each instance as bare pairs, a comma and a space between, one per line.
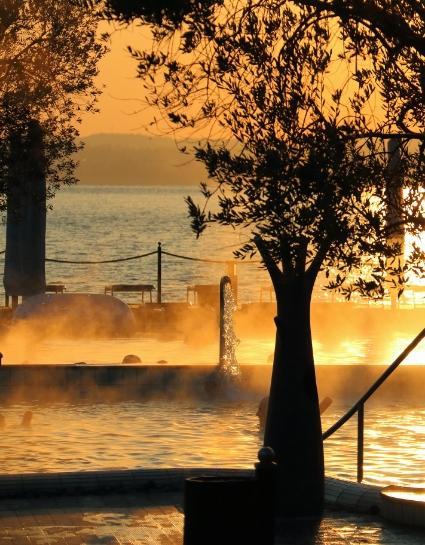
220, 510
230, 510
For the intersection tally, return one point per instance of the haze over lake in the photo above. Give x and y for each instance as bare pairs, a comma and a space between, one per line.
131, 159
104, 222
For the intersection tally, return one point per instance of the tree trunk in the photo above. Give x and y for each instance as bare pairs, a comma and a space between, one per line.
24, 269
293, 427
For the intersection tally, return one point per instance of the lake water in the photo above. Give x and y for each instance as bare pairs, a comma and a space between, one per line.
101, 223
95, 223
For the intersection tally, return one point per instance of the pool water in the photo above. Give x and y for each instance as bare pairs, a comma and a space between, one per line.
158, 434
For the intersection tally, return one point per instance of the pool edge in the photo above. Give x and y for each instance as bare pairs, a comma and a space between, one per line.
339, 494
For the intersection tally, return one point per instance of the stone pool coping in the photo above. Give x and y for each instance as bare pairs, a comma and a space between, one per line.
142, 382
339, 494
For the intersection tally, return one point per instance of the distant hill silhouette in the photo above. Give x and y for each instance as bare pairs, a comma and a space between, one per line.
127, 159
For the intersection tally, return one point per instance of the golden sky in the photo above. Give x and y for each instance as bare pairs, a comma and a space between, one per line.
121, 104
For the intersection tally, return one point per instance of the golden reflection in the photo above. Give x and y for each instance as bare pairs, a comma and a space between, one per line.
397, 345
411, 494
25, 346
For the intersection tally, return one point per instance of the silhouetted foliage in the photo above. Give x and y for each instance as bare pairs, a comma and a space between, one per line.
48, 60
266, 84
397, 27
156, 11
299, 110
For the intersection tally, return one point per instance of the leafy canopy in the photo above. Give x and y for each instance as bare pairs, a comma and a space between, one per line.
299, 109
48, 60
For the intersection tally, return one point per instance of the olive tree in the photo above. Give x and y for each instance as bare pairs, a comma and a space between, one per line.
301, 110
302, 164
396, 29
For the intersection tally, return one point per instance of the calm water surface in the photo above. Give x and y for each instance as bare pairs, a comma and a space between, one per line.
105, 222
101, 223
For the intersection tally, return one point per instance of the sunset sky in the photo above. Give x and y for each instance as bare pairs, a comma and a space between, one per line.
122, 106
120, 103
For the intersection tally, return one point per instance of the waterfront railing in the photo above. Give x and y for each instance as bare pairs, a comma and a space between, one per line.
159, 252
265, 289
359, 407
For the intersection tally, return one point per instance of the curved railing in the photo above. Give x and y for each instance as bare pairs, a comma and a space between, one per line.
358, 407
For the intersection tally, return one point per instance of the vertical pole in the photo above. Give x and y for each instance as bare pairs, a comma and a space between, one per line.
360, 442
394, 219
159, 275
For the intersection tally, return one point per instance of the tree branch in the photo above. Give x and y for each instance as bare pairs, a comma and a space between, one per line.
314, 268
273, 269
390, 24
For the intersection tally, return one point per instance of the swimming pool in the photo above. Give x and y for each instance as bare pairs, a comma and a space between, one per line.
194, 433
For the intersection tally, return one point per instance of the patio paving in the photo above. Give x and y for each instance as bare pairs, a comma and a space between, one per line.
92, 520
157, 519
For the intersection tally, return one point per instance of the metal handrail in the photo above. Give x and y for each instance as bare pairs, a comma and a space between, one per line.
358, 407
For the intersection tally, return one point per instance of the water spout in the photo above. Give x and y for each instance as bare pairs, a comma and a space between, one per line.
228, 364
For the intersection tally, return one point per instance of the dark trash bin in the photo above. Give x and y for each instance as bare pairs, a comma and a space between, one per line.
220, 511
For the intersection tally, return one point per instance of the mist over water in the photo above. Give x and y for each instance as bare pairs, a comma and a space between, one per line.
100, 223
25, 346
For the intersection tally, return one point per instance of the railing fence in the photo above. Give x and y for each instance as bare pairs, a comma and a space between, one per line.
359, 406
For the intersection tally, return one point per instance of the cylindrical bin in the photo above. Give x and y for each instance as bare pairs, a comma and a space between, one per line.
220, 511
265, 473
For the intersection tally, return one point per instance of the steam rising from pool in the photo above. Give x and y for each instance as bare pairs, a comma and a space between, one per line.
342, 334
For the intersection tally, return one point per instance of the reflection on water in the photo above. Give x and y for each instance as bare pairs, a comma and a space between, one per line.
162, 434
258, 350
338, 528
394, 445
412, 494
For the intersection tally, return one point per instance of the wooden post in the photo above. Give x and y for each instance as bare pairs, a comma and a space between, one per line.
360, 443
159, 275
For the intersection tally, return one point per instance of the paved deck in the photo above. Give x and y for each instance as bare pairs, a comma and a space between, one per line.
141, 519
157, 519
91, 508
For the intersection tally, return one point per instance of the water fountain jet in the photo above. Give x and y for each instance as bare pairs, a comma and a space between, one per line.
227, 374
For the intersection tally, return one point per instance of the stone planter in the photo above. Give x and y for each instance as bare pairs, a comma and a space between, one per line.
404, 505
